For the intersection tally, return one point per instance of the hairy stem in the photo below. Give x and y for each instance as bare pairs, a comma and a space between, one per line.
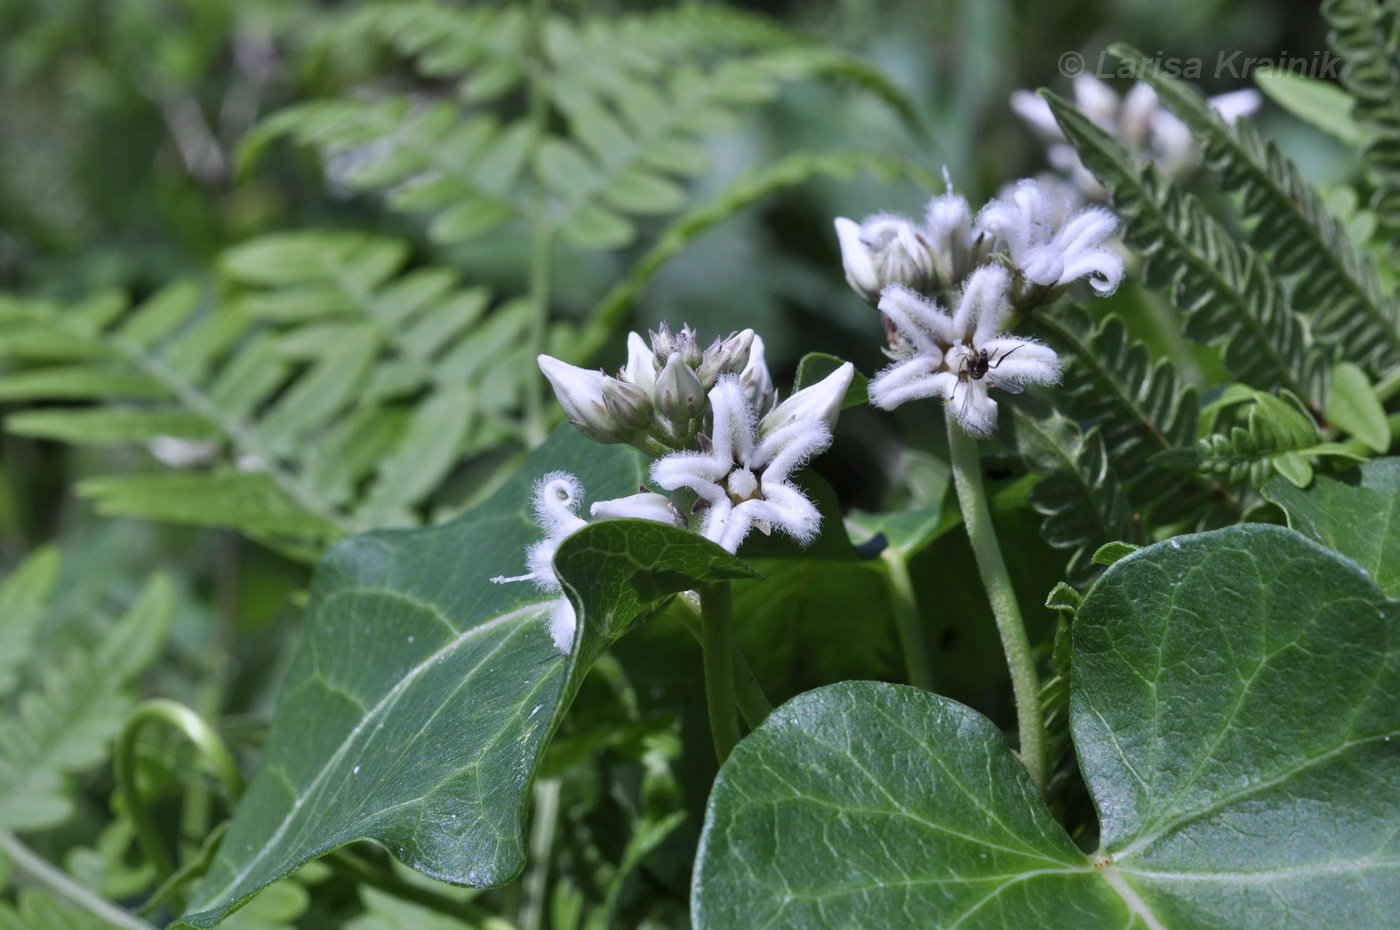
907, 621
63, 885
717, 643
977, 517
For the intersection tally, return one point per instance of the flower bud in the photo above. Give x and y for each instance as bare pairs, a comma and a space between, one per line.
679, 395
628, 405
725, 357
580, 393
641, 364
645, 506
883, 250
665, 343
822, 402
755, 380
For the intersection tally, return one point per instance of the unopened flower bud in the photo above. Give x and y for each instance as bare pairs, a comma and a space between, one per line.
665, 343
755, 380
641, 364
580, 393
725, 357
679, 395
821, 402
629, 405
881, 251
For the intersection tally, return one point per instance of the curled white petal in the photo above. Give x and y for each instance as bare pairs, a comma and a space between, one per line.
645, 506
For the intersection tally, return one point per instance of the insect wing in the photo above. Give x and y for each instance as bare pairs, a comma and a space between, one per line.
1010, 387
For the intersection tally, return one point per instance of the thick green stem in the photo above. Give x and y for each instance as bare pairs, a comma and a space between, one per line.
754, 705
717, 643
63, 885
210, 746
977, 517
907, 621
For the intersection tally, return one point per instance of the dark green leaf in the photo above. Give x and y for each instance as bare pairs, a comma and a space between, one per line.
1232, 705
1356, 513
423, 696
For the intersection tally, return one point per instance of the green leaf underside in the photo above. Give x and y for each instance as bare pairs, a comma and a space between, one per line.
1356, 513
1233, 712
424, 694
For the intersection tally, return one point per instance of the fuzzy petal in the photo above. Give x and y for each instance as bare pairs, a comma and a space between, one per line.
918, 319
645, 506
1023, 361
821, 401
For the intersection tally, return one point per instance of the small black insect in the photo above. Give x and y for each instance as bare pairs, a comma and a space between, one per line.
981, 365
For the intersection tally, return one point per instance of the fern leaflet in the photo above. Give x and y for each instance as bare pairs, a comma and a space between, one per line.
1367, 35
1224, 287
1292, 227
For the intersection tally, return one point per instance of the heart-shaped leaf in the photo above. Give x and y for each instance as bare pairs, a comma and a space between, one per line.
1233, 708
1354, 513
423, 695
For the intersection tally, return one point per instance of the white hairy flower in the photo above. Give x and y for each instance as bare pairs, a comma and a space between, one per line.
556, 499
959, 357
1049, 251
744, 474
657, 400
1138, 120
882, 250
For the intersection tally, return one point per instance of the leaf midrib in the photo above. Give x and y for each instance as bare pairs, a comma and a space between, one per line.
389, 698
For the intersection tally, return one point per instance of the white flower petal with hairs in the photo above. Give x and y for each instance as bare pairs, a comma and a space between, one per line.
959, 357
744, 476
1050, 253
556, 500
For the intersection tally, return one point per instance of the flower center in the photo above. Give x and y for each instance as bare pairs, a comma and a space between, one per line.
741, 485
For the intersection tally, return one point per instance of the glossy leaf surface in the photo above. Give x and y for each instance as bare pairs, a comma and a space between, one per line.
1233, 711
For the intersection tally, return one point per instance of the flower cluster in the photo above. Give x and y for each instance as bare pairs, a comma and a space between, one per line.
723, 446
657, 401
1019, 252
1033, 232
1137, 119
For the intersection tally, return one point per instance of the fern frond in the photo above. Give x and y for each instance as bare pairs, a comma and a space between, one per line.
1139, 408
1253, 434
611, 311
1079, 495
1223, 286
638, 95
344, 388
63, 724
1290, 225
1367, 35
23, 599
